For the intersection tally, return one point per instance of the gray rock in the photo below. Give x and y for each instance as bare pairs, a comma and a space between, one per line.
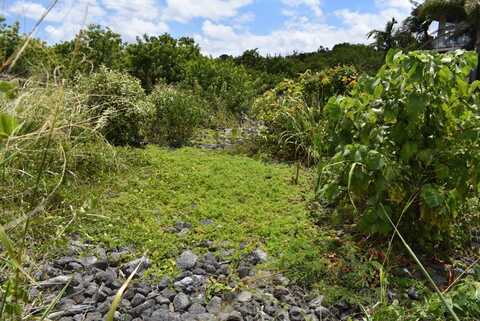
129, 267
163, 315
244, 296
181, 302
165, 282
56, 282
223, 270
215, 305
259, 256
187, 260
162, 300
138, 310
206, 317
106, 277
168, 293
196, 308
243, 271
93, 316
138, 299
183, 283
232, 316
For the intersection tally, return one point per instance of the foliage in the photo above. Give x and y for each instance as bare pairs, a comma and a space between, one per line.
156, 59
292, 112
225, 85
92, 48
117, 101
37, 57
174, 116
406, 140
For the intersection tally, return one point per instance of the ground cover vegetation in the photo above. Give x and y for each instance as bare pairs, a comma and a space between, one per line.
363, 153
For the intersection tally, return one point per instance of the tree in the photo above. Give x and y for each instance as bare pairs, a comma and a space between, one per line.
464, 13
418, 26
92, 48
152, 59
35, 58
384, 39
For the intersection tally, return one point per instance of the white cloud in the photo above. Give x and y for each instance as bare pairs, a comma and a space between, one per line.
185, 10
314, 5
217, 39
301, 33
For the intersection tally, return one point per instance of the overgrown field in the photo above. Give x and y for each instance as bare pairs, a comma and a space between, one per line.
361, 188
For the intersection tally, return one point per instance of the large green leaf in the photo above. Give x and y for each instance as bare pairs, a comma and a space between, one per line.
8, 124
431, 196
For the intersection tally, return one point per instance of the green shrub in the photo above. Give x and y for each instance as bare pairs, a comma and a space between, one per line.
174, 116
292, 112
118, 102
407, 141
224, 84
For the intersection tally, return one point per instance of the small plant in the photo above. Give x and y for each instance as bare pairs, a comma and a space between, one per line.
174, 116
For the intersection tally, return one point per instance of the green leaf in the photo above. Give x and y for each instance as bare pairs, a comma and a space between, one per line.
8, 124
416, 105
445, 74
378, 91
408, 150
431, 196
7, 89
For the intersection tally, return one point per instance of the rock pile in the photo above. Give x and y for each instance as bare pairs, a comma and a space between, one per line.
204, 291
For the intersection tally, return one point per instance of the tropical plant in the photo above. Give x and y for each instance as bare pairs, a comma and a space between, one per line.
118, 101
174, 116
385, 39
406, 139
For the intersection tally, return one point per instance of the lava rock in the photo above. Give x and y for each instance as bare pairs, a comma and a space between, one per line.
215, 305
138, 299
196, 308
244, 296
181, 302
106, 277
187, 260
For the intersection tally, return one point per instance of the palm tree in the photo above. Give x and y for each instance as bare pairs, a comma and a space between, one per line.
419, 25
464, 13
384, 39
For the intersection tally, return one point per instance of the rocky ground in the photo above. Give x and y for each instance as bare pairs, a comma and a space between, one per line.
207, 289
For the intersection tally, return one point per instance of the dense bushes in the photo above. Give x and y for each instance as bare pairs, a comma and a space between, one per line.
226, 86
117, 101
292, 111
407, 145
174, 116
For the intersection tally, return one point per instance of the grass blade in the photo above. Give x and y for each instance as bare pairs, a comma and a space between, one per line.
424, 271
118, 297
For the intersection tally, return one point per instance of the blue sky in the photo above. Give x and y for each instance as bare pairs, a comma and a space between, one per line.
219, 26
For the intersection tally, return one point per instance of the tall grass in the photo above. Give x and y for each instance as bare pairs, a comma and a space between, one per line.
48, 139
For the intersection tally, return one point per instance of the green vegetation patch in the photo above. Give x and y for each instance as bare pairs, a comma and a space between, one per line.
247, 201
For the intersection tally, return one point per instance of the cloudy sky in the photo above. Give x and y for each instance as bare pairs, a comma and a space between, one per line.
219, 26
